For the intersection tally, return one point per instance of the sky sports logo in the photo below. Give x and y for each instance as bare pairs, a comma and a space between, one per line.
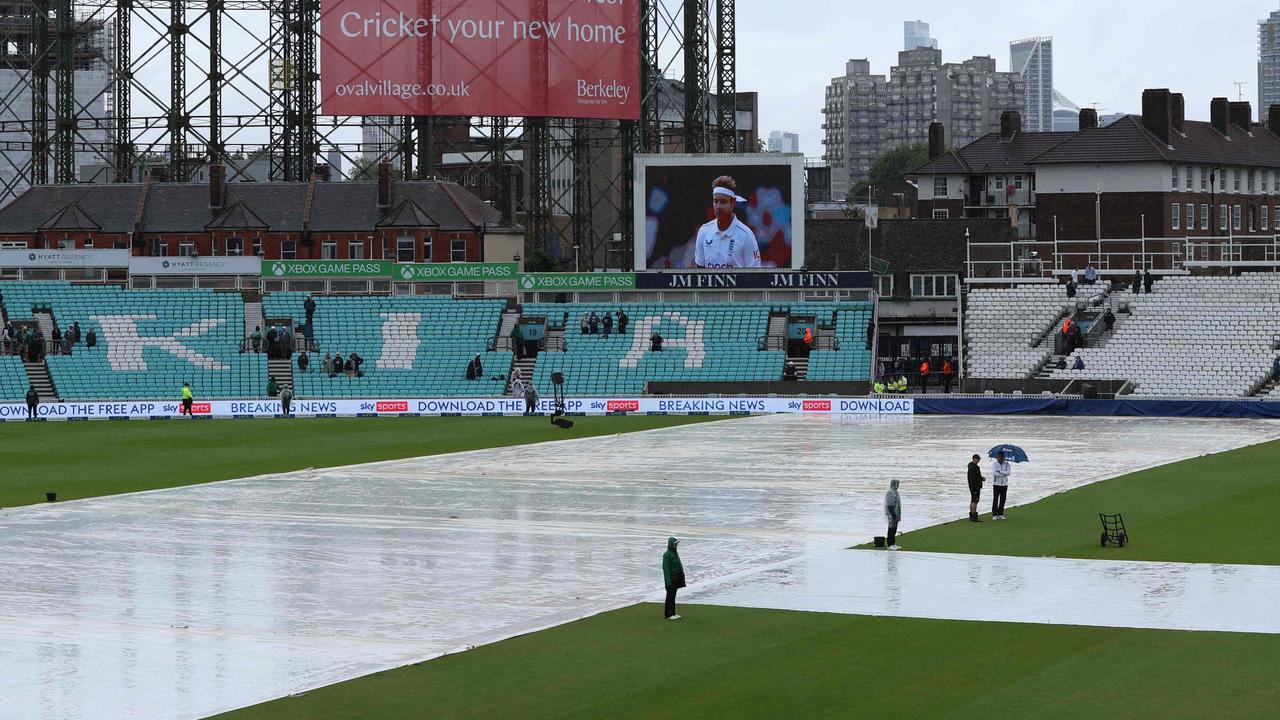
622, 406
201, 408
392, 406
602, 92
816, 406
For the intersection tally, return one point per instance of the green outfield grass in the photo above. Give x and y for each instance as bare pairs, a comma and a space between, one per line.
1218, 508
87, 459
721, 662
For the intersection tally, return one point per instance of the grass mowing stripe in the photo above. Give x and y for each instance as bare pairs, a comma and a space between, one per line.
89, 459
1212, 509
749, 663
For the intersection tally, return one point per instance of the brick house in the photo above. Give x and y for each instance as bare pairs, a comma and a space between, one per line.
405, 221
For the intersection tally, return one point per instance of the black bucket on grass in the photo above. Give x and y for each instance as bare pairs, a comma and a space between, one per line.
51, 497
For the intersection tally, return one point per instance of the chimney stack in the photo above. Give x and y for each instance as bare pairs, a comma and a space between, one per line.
1218, 114
1241, 115
1088, 119
1010, 124
217, 186
1273, 119
384, 184
1178, 111
1156, 115
937, 139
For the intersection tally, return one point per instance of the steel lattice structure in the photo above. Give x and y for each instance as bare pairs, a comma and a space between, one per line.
164, 87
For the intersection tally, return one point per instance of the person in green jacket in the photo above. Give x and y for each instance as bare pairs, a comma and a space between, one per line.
273, 388
187, 400
672, 577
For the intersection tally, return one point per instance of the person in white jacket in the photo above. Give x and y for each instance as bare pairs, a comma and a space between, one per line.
999, 486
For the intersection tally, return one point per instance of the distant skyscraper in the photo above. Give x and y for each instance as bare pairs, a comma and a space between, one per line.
784, 142
867, 115
1033, 60
1268, 63
915, 33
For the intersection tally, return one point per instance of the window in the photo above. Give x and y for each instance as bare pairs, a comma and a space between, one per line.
187, 248
1266, 177
1191, 216
1177, 216
1175, 178
1250, 172
1186, 179
1204, 216
933, 286
329, 250
426, 250
1252, 214
1017, 182
159, 248
884, 285
120, 245
939, 186
1222, 179
257, 246
235, 246
1204, 179
458, 253
404, 249
1222, 217
1263, 210
941, 214
355, 249
289, 250
88, 243
1236, 178
1236, 217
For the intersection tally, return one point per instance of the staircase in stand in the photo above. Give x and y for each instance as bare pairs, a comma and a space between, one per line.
38, 375
802, 367
252, 317
525, 366
510, 318
777, 334
282, 370
45, 320
1047, 367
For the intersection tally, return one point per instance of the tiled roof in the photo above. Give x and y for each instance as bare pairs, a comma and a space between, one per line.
407, 215
184, 207
71, 217
991, 154
1199, 143
238, 217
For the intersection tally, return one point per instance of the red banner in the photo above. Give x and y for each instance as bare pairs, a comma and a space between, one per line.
528, 58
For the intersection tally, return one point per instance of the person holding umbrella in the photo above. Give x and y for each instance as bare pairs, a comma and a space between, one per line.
1000, 475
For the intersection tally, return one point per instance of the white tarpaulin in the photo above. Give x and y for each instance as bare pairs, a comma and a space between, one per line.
186, 602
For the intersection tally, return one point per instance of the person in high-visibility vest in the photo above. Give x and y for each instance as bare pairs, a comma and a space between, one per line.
187, 399
924, 376
947, 370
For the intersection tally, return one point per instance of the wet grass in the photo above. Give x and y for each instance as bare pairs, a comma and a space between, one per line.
721, 662
1217, 508
88, 459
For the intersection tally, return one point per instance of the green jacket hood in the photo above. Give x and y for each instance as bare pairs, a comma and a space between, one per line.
672, 543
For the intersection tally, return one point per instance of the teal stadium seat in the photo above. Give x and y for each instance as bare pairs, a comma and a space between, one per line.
413, 346
723, 345
149, 341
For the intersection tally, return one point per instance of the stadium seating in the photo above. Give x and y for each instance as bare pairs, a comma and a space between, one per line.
702, 342
852, 361
149, 341
1193, 336
1002, 325
413, 346
13, 379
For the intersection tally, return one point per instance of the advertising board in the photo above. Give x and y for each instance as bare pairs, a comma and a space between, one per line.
531, 58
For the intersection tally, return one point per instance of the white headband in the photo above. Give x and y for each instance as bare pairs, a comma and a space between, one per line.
727, 193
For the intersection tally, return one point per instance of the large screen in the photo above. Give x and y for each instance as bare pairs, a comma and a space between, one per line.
529, 58
719, 212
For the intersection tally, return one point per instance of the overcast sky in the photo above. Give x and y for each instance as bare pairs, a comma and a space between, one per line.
1104, 52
